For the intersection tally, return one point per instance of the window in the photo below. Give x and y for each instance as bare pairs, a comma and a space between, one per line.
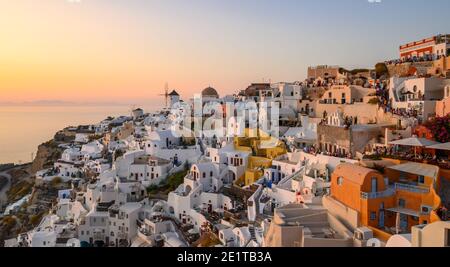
401, 203
211, 174
425, 209
373, 216
340, 181
204, 175
421, 179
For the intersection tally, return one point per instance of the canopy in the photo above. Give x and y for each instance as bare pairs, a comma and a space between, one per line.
445, 146
414, 141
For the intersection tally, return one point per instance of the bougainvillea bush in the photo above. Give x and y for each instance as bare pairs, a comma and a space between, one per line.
440, 127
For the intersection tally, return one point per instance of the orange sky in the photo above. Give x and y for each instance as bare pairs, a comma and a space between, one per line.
56, 50
126, 50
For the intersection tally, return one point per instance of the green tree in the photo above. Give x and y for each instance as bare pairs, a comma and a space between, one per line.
381, 69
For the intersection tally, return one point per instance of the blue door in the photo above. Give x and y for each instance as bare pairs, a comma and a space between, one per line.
381, 217
403, 221
374, 185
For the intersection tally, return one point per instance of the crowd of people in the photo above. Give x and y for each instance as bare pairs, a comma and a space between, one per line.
410, 155
385, 103
425, 58
316, 151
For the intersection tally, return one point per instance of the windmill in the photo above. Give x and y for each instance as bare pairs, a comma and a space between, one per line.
166, 93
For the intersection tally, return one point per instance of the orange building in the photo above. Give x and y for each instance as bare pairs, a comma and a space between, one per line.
404, 197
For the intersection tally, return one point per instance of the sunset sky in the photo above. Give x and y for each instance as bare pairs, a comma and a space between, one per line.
125, 50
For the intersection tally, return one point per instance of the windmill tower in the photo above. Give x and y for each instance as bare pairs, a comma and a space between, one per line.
166, 93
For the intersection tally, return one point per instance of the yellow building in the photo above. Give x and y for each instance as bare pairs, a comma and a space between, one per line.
264, 149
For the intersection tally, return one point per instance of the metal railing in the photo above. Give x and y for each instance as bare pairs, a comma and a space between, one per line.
375, 195
411, 188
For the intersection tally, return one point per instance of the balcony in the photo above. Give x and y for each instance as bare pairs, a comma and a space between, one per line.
411, 188
375, 195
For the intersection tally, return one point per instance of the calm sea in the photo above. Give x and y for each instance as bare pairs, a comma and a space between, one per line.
24, 128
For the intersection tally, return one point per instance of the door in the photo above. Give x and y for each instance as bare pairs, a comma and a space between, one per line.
381, 217
403, 222
374, 185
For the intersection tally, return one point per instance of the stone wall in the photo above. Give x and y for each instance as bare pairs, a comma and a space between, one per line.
334, 135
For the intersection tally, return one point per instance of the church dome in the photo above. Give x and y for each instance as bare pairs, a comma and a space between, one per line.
210, 92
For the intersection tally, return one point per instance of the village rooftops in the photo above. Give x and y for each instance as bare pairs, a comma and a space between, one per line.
365, 127
104, 206
285, 159
151, 160
130, 207
418, 169
312, 227
353, 172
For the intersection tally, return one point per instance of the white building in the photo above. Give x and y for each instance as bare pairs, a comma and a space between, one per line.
417, 94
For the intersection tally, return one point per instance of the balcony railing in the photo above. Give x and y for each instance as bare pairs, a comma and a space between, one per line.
375, 195
411, 188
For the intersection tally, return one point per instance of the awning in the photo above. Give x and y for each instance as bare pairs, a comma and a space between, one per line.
404, 211
445, 146
414, 141
417, 168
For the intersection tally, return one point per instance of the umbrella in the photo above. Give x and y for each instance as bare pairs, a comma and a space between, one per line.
414, 142
445, 146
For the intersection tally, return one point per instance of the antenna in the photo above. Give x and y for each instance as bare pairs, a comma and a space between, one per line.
166, 93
